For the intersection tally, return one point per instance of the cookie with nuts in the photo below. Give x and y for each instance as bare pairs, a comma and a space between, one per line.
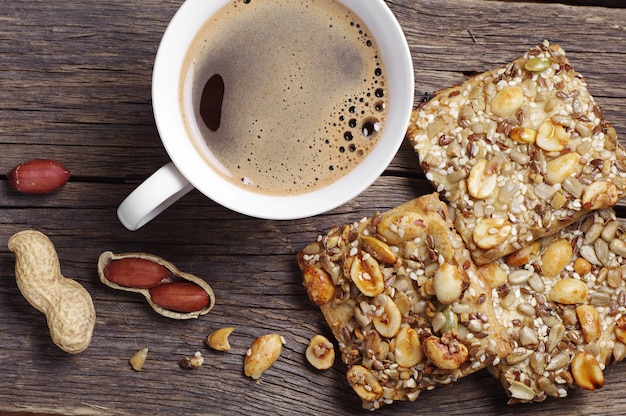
562, 300
404, 300
519, 152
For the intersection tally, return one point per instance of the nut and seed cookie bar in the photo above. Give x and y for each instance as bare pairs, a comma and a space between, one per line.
519, 152
404, 301
563, 302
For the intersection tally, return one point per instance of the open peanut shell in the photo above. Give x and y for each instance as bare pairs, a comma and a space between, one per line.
170, 274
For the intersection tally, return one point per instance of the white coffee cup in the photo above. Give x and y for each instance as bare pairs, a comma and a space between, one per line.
189, 168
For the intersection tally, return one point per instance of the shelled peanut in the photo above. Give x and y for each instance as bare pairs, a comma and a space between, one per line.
67, 305
38, 176
218, 339
262, 354
169, 291
192, 362
138, 359
320, 352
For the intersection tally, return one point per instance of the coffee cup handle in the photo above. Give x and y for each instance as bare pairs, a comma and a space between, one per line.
164, 187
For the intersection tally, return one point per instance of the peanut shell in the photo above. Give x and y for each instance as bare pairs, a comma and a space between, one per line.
165, 304
67, 305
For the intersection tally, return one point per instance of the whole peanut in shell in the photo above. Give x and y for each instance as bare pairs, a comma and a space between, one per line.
67, 305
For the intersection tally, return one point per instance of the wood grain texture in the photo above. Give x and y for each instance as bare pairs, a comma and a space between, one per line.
75, 86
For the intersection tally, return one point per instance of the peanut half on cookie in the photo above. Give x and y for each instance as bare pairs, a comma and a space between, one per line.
519, 152
562, 300
404, 300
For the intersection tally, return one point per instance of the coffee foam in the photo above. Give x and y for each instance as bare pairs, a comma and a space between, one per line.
302, 79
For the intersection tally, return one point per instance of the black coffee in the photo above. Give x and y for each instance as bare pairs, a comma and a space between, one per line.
287, 95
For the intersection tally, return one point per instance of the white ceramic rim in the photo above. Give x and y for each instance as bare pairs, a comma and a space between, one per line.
179, 34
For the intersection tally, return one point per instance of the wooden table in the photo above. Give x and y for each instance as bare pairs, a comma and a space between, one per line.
75, 86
